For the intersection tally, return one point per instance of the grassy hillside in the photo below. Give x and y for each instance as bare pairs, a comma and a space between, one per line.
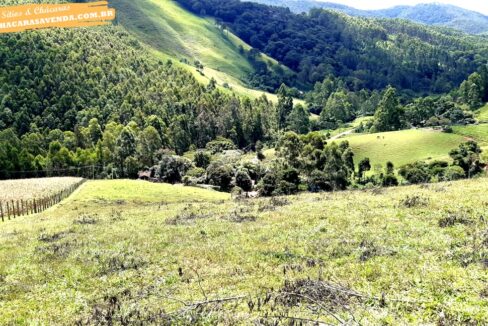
127, 251
483, 114
402, 147
178, 33
174, 33
476, 132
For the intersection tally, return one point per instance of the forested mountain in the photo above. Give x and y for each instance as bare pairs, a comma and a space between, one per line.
95, 96
436, 14
364, 53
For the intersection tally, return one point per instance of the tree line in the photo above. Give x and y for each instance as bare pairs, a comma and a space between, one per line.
336, 105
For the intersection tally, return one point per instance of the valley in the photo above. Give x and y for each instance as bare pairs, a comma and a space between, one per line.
224, 162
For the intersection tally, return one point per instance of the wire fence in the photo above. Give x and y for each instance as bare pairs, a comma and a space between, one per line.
14, 208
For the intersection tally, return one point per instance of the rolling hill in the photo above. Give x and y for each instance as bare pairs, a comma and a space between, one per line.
407, 146
174, 33
403, 147
435, 14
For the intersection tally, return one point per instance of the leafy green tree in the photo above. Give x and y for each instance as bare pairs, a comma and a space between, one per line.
389, 114
59, 158
484, 79
336, 170
149, 143
415, 173
472, 91
94, 130
288, 182
181, 135
299, 120
125, 146
348, 159
220, 175
284, 107
109, 142
318, 181
202, 159
268, 184
34, 143
219, 145
389, 179
338, 108
453, 173
289, 148
131, 167
171, 168
468, 157
364, 166
26, 161
243, 180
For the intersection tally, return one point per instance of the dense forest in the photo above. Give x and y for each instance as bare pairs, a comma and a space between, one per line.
364, 53
67, 96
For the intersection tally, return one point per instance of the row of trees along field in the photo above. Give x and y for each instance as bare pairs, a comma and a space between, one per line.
306, 162
363, 53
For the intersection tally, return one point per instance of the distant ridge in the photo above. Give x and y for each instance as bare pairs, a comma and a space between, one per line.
434, 14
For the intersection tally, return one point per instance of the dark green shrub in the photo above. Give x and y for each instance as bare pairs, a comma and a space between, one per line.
220, 175
390, 180
454, 173
318, 182
202, 159
219, 145
171, 169
416, 173
268, 184
243, 180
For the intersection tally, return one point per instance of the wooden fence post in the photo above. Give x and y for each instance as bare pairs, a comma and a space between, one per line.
8, 211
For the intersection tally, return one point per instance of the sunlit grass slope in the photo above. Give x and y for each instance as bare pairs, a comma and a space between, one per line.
169, 28
402, 147
174, 33
128, 251
483, 114
476, 132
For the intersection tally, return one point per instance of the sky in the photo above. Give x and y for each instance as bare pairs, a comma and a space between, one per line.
476, 5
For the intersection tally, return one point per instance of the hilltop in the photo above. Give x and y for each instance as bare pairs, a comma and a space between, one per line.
434, 14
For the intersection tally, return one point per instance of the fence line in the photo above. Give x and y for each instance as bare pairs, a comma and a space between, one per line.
15, 208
